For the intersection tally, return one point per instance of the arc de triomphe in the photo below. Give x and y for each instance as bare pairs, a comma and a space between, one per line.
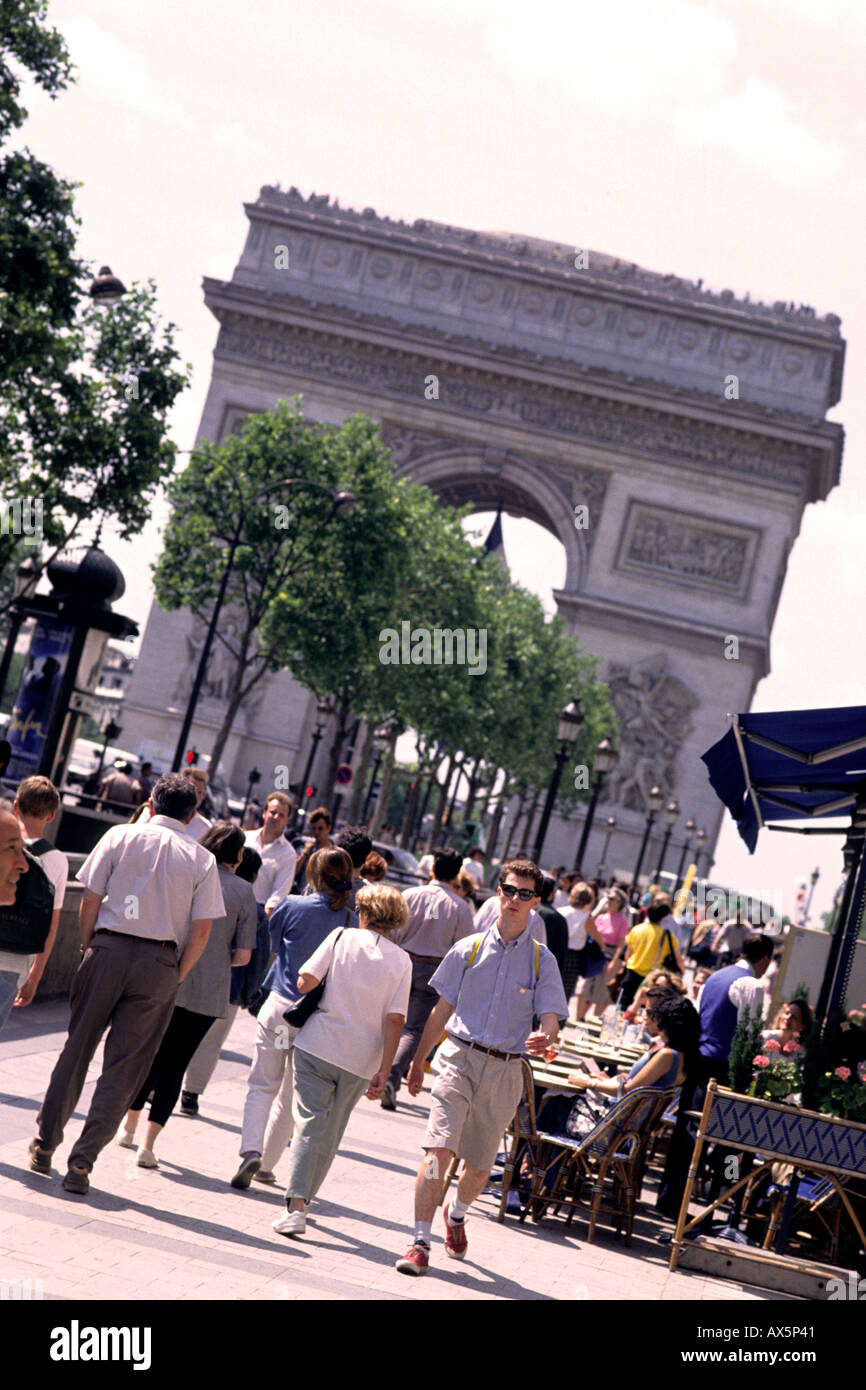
667, 436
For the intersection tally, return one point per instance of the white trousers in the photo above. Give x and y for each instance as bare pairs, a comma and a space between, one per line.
267, 1124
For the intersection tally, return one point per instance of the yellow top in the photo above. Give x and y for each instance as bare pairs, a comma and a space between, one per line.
646, 949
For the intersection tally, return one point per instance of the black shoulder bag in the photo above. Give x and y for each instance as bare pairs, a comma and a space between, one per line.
306, 1007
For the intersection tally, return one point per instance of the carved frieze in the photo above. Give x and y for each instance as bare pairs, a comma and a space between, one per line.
703, 552
654, 710
549, 409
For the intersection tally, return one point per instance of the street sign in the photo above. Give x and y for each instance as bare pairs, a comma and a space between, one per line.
344, 775
82, 702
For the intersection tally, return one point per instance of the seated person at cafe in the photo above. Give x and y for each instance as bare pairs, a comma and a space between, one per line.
676, 1020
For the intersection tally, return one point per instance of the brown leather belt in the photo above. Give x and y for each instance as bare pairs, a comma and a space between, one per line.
490, 1051
128, 936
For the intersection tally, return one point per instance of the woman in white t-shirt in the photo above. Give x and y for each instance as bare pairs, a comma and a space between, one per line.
580, 924
347, 1046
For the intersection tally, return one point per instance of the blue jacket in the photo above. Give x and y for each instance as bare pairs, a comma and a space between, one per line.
297, 927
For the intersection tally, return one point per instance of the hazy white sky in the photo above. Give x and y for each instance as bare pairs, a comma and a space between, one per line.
716, 140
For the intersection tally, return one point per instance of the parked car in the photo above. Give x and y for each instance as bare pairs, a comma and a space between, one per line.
403, 870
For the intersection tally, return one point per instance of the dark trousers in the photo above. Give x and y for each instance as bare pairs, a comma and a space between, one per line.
165, 1078
128, 985
421, 1001
682, 1144
631, 983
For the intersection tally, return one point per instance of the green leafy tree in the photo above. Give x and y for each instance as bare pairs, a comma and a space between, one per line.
84, 394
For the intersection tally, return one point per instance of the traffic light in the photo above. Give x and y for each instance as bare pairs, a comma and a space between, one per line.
191, 757
310, 791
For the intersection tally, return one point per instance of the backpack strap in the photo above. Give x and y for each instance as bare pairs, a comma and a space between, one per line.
40, 846
474, 952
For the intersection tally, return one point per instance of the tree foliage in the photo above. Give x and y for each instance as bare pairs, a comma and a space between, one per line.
84, 393
319, 596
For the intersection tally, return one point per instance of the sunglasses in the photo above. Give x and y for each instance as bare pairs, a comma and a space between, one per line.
524, 894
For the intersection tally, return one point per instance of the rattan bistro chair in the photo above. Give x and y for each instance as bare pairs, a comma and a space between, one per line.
521, 1139
606, 1164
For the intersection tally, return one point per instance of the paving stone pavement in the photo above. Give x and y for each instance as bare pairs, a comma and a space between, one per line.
183, 1233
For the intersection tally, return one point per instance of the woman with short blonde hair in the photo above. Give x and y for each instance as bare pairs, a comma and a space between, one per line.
347, 1046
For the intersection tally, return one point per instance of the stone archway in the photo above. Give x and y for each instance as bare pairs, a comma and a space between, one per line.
521, 485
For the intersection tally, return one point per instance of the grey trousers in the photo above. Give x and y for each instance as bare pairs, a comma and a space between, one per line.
325, 1097
128, 985
206, 1055
421, 1001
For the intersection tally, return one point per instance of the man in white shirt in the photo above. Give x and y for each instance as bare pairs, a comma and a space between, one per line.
199, 824
150, 895
474, 866
36, 804
277, 874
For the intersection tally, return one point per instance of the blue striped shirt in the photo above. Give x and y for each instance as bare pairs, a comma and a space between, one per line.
495, 998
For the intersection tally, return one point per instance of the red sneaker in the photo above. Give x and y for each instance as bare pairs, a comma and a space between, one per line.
456, 1243
415, 1261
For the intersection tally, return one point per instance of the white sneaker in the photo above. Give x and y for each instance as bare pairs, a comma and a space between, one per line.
291, 1223
126, 1141
147, 1159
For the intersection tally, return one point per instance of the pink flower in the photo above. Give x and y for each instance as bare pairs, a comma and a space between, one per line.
790, 1048
843, 1073
772, 1045
761, 1061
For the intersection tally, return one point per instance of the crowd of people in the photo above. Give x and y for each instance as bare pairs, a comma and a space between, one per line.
354, 985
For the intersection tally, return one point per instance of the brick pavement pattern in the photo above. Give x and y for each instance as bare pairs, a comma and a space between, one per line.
182, 1233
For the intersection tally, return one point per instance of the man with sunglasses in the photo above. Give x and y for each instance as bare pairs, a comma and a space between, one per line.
491, 986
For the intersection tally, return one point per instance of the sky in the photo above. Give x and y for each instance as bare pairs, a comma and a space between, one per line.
722, 141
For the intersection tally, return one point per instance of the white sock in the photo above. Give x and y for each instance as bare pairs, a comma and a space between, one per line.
422, 1233
457, 1209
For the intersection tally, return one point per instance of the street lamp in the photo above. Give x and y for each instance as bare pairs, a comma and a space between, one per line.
323, 714
570, 720
700, 841
654, 805
813, 879
343, 503
106, 289
672, 811
690, 830
254, 777
609, 829
605, 757
380, 747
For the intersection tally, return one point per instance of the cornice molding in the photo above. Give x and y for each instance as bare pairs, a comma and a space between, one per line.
661, 328
768, 459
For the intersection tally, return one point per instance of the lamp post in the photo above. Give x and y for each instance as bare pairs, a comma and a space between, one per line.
254, 778
570, 720
323, 712
608, 831
343, 503
654, 804
605, 757
690, 830
672, 811
380, 747
105, 288
813, 879
700, 841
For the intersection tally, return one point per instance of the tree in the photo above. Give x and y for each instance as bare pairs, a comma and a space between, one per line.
304, 593
84, 395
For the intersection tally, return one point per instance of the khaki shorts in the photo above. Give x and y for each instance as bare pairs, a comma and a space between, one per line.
474, 1098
